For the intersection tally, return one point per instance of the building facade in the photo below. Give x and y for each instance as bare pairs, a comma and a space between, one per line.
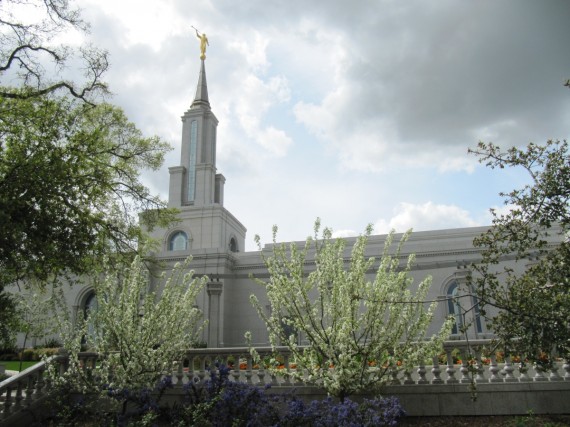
215, 238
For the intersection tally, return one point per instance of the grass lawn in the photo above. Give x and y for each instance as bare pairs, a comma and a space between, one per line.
15, 365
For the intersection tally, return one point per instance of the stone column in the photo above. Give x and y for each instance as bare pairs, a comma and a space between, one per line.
214, 290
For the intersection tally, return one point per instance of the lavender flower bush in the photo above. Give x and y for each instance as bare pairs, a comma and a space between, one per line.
219, 402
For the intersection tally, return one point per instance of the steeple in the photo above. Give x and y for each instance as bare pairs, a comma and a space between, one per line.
201, 98
195, 182
196, 188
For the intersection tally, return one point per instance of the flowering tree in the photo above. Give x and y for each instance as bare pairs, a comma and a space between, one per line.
358, 329
137, 333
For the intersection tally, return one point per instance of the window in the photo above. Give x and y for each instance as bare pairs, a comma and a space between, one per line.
454, 307
90, 304
192, 160
463, 307
178, 241
233, 245
90, 307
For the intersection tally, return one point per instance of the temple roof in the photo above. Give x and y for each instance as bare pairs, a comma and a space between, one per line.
201, 98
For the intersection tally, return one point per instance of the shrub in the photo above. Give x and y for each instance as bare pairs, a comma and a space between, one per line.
221, 402
8, 354
330, 413
29, 354
218, 402
50, 343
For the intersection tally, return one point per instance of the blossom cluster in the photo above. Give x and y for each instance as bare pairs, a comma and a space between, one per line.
361, 318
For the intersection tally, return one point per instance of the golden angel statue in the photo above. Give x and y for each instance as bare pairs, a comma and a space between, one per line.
203, 43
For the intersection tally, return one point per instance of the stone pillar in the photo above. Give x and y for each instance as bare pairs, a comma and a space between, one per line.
214, 290
176, 186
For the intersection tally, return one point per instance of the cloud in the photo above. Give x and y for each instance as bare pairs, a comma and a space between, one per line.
344, 110
422, 82
254, 51
426, 216
257, 98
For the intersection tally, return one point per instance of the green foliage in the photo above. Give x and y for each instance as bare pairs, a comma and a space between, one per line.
534, 304
8, 319
69, 186
35, 319
358, 329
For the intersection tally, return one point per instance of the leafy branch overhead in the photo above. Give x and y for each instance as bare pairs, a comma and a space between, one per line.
69, 185
29, 51
533, 295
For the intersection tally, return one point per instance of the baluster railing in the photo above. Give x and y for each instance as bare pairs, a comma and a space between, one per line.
554, 375
22, 391
508, 370
450, 369
408, 377
539, 373
422, 374
465, 375
566, 368
494, 370
436, 371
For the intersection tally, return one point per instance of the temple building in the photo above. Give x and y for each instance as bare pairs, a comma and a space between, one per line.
215, 238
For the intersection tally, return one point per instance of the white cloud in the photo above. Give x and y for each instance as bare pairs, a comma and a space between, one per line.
275, 141
257, 97
344, 233
154, 23
426, 216
253, 50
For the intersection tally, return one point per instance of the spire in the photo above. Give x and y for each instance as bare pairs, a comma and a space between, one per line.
201, 98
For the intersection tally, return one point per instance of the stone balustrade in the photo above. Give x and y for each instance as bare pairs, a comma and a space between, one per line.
461, 366
460, 363
23, 390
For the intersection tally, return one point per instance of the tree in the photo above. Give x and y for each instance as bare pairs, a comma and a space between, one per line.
534, 303
358, 329
28, 29
69, 186
137, 333
8, 320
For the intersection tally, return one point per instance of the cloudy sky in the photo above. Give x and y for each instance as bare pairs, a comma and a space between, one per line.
353, 111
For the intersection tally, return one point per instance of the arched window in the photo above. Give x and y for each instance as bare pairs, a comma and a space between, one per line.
233, 245
178, 241
90, 304
463, 308
454, 307
90, 307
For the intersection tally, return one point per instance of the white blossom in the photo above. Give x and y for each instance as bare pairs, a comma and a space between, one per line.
360, 325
